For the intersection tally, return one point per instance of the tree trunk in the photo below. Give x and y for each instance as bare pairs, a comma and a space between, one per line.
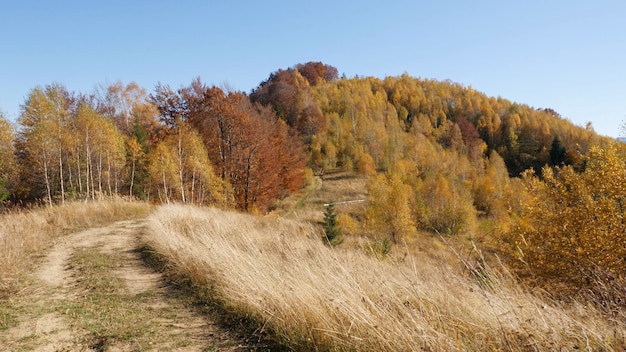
109, 173
61, 176
47, 179
180, 166
100, 175
167, 197
132, 178
79, 177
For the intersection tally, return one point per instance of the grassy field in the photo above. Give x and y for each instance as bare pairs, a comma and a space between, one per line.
276, 274
338, 187
279, 274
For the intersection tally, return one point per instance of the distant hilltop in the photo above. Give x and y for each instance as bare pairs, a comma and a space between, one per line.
622, 139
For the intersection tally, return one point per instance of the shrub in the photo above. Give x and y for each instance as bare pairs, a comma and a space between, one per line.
573, 229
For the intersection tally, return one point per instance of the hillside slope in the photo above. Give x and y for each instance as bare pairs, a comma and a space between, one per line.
279, 275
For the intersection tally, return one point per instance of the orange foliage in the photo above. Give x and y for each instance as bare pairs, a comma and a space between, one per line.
250, 148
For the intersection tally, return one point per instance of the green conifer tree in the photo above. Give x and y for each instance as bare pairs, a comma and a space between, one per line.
331, 231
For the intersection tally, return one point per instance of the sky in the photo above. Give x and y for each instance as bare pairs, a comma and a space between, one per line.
566, 55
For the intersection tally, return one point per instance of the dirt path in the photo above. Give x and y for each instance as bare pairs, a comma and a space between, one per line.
92, 292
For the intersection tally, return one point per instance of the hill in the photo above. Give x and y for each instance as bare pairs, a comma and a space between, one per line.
416, 168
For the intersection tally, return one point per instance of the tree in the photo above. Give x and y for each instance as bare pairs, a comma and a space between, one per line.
317, 72
174, 106
492, 190
7, 159
250, 148
202, 184
557, 151
331, 231
447, 206
42, 141
239, 144
475, 145
389, 211
162, 169
289, 93
126, 105
101, 145
135, 154
181, 171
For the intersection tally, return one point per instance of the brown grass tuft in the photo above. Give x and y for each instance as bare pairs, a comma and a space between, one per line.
311, 297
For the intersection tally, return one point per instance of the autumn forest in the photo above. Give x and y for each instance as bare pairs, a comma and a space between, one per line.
440, 158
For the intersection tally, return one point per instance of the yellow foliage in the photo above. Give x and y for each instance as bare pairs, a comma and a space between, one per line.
447, 206
491, 191
181, 171
7, 157
573, 227
389, 211
366, 165
347, 225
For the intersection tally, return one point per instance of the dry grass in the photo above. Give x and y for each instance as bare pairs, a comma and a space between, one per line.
279, 274
27, 233
335, 187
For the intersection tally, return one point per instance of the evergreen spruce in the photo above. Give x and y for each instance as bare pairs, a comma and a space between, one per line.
330, 226
557, 151
4, 193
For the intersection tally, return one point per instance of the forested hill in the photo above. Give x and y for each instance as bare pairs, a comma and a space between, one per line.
443, 159
203, 145
435, 160
370, 117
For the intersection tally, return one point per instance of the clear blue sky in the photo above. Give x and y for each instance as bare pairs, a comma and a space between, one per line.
566, 55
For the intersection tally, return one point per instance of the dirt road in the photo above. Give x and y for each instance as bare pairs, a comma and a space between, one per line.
93, 292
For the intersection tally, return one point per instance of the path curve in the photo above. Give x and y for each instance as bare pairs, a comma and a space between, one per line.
45, 309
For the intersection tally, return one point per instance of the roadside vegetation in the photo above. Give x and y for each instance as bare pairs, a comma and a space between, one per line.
26, 234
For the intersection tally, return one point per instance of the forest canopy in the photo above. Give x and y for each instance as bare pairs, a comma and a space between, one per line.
204, 145
57, 149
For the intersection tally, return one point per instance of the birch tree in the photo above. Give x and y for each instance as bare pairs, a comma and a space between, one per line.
42, 141
7, 158
181, 171
104, 153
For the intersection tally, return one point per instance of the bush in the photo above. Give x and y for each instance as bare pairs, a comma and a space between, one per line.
572, 230
347, 225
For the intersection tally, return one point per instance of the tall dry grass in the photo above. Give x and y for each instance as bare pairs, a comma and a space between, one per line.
312, 297
28, 232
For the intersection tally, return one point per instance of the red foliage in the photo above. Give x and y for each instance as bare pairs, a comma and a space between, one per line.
317, 72
290, 95
470, 134
248, 145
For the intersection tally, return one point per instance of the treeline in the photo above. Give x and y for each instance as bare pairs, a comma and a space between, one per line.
204, 145
445, 155
382, 114
198, 144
